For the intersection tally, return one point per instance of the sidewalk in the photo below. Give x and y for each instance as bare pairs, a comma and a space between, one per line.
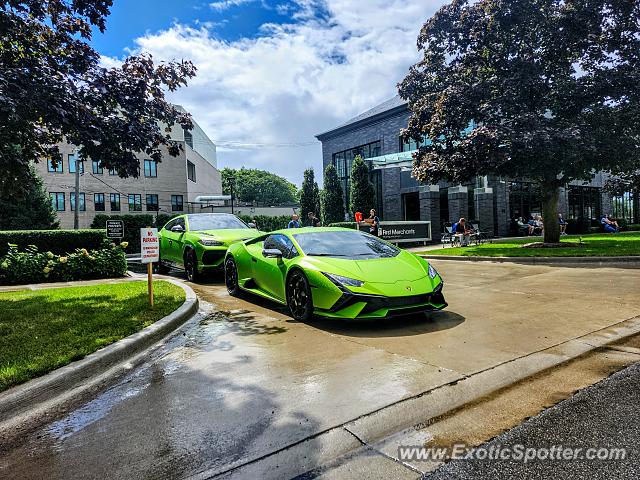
79, 283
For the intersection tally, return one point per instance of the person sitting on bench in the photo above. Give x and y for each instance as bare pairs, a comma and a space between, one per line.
610, 225
462, 231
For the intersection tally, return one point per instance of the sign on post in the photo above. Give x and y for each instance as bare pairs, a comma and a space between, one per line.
149, 253
115, 228
402, 232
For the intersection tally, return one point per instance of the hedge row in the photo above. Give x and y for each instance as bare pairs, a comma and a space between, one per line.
352, 225
55, 241
266, 223
33, 266
132, 226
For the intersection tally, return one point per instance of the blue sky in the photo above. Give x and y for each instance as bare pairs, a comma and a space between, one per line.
273, 73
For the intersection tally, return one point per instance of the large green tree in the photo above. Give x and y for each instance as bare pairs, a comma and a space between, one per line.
539, 89
309, 195
332, 196
362, 196
54, 88
32, 211
260, 186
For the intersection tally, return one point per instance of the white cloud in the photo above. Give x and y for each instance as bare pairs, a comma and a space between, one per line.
226, 4
295, 80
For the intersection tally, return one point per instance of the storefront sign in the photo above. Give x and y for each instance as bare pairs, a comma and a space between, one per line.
150, 246
401, 232
115, 229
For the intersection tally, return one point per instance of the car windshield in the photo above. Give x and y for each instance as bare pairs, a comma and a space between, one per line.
212, 221
344, 244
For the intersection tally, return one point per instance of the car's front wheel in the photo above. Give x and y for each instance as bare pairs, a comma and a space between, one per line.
299, 298
191, 266
231, 277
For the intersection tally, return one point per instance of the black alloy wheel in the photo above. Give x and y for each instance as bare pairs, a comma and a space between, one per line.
191, 266
231, 277
299, 298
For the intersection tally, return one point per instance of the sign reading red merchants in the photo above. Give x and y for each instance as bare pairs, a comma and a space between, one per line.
150, 246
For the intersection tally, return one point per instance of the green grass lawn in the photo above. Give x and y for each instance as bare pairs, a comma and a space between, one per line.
45, 329
619, 244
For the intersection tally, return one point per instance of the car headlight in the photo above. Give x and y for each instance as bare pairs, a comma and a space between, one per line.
210, 242
345, 281
433, 273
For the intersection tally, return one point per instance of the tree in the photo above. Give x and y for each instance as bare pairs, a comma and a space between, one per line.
362, 196
260, 186
332, 199
32, 211
309, 195
53, 88
537, 89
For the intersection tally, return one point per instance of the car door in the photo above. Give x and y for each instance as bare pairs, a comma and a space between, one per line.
269, 273
171, 242
177, 244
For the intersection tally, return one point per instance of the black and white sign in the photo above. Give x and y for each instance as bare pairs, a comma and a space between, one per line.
115, 229
401, 232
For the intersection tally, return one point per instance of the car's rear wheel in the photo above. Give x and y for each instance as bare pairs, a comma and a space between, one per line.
231, 277
191, 266
299, 298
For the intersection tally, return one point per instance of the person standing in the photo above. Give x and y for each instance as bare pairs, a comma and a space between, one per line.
313, 220
294, 222
374, 223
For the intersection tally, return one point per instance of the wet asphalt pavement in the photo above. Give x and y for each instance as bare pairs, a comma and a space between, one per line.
243, 380
604, 415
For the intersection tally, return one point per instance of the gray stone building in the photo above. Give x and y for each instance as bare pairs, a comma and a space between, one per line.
491, 201
168, 186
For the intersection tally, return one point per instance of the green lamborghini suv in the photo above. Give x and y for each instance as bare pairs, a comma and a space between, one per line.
333, 272
199, 242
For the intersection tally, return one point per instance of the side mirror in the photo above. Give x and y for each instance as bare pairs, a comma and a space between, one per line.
271, 253
177, 229
251, 225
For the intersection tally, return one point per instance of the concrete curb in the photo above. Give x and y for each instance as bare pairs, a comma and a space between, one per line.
628, 261
41, 394
391, 424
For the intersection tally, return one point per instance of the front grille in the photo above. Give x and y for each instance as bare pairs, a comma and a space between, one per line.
211, 257
376, 303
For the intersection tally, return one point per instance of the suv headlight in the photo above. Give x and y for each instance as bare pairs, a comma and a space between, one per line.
210, 242
433, 273
345, 281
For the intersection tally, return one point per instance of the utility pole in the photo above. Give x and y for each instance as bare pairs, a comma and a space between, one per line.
76, 209
231, 188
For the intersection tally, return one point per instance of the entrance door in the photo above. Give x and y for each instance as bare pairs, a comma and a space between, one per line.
411, 206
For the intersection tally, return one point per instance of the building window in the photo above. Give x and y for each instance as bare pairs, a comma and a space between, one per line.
114, 199
584, 202
82, 206
58, 168
343, 161
411, 145
72, 159
150, 168
191, 171
57, 200
135, 202
177, 203
188, 138
626, 206
113, 172
98, 202
152, 202
525, 199
97, 168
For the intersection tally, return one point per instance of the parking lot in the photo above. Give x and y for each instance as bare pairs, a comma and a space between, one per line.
246, 380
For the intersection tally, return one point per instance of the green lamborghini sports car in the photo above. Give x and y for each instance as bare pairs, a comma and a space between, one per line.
333, 272
198, 242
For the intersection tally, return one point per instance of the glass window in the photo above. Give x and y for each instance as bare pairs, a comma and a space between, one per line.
98, 202
114, 199
152, 202
135, 202
188, 138
150, 168
282, 243
112, 172
72, 159
82, 206
57, 168
214, 221
177, 204
57, 200
584, 202
625, 207
344, 244
97, 167
525, 199
411, 145
344, 160
191, 171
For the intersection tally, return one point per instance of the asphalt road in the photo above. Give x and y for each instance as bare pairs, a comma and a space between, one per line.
604, 415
